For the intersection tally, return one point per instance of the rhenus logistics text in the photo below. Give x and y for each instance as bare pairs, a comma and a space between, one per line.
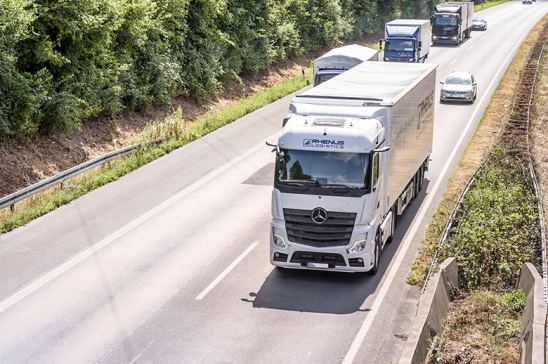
323, 143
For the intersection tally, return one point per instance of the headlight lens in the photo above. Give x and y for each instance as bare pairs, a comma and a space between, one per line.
435, 37
358, 246
454, 38
278, 239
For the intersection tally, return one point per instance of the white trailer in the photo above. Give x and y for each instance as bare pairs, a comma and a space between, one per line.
350, 158
407, 40
341, 59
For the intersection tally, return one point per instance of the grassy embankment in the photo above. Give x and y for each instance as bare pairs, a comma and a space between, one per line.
177, 134
489, 4
495, 233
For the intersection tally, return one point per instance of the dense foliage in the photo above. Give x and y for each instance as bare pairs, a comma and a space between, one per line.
497, 227
62, 62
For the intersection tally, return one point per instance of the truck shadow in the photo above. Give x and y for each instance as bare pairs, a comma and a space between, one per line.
329, 292
449, 45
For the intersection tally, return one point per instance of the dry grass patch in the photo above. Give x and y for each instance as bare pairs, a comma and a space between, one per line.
481, 327
539, 133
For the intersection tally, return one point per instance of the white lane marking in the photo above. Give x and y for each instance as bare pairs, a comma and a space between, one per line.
406, 242
453, 61
220, 277
134, 360
83, 255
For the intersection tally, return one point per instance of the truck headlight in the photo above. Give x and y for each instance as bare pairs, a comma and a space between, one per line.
435, 37
358, 246
278, 239
454, 38
411, 60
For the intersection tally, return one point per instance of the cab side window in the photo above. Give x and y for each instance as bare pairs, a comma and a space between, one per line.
375, 169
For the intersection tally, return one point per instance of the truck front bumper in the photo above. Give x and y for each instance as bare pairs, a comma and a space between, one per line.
445, 40
335, 258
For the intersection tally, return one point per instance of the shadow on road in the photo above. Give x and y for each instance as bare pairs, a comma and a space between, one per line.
451, 45
313, 291
328, 292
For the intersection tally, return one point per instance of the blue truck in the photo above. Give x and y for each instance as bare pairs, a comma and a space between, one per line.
407, 40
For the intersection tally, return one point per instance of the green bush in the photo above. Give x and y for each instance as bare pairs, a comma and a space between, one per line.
496, 229
63, 62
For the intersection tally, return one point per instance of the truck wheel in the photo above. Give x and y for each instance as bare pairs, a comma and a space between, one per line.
393, 227
421, 177
377, 256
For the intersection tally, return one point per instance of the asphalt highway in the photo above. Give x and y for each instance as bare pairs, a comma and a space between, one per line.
170, 263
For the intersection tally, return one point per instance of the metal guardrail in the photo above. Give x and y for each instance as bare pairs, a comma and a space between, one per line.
11, 200
521, 104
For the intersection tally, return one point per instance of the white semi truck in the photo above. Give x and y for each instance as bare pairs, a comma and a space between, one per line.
341, 59
350, 158
452, 22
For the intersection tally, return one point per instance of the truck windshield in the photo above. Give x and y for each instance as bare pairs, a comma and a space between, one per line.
323, 169
400, 45
446, 20
321, 78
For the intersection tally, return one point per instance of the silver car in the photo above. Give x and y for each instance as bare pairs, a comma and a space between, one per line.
479, 24
459, 86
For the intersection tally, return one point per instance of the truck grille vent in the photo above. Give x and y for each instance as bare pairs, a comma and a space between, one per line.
335, 231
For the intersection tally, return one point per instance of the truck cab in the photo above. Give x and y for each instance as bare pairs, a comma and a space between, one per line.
407, 40
341, 59
328, 179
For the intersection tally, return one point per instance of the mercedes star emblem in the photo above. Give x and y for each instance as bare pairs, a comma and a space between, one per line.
319, 215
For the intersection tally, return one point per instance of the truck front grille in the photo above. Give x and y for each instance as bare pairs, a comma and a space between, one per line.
335, 231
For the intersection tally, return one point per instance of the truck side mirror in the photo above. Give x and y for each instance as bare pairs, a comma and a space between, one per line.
441, 82
274, 146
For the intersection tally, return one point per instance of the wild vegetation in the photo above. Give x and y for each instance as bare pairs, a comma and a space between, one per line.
63, 62
497, 226
482, 327
495, 232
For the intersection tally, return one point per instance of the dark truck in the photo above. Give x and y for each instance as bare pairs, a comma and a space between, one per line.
452, 22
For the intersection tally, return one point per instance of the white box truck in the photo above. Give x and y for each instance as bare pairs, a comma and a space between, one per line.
341, 59
407, 40
350, 158
452, 22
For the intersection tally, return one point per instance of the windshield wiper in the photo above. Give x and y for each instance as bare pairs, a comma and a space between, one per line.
339, 185
300, 183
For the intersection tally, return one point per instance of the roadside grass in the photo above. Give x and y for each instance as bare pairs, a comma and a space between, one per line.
496, 226
489, 4
174, 132
496, 231
482, 327
539, 132
478, 148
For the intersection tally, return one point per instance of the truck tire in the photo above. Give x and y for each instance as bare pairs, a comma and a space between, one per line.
377, 257
421, 177
393, 227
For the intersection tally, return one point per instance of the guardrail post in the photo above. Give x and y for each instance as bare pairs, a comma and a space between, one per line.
12, 207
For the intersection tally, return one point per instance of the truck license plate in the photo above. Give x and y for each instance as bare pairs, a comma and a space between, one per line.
317, 265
